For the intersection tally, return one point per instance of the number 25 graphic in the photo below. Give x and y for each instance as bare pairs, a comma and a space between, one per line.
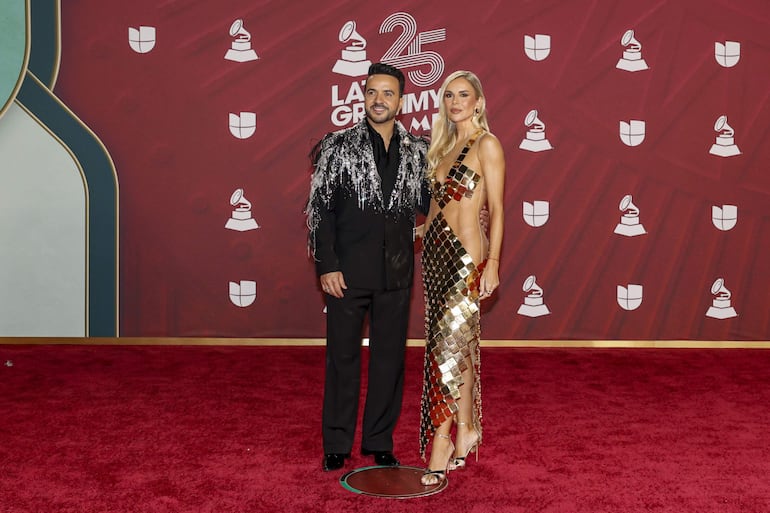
414, 55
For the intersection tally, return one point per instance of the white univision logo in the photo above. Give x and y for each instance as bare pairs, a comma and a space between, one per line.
537, 48
724, 217
632, 132
141, 40
630, 297
407, 52
243, 293
536, 214
243, 125
728, 53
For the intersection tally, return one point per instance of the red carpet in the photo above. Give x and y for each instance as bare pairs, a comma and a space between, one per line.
237, 429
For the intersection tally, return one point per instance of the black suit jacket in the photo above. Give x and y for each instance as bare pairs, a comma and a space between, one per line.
353, 229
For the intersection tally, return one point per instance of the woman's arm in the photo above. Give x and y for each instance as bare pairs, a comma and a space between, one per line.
492, 162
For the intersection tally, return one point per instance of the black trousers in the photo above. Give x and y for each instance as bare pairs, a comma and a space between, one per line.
389, 313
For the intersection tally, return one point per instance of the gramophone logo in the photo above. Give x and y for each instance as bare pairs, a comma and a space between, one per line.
243, 293
243, 125
240, 48
728, 53
630, 296
629, 224
725, 141
632, 55
720, 305
724, 217
535, 139
536, 213
533, 305
353, 61
632, 132
240, 218
141, 40
537, 48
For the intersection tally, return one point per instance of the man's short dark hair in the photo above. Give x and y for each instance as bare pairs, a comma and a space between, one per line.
379, 68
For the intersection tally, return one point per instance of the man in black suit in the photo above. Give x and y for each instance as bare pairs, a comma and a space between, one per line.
367, 181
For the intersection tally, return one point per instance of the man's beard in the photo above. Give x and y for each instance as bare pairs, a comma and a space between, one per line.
380, 118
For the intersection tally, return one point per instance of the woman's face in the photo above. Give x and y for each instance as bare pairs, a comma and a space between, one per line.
460, 100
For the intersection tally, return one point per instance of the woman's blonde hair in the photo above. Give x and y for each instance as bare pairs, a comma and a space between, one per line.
444, 134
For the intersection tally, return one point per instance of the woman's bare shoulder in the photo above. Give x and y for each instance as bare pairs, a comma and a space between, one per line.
490, 147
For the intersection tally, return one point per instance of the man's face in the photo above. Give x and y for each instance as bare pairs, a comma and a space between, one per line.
382, 99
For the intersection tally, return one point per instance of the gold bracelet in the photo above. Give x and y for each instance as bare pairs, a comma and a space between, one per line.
490, 258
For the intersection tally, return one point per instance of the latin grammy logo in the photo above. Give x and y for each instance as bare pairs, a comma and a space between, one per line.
629, 224
632, 55
632, 133
537, 48
536, 214
725, 142
407, 50
240, 218
535, 139
243, 293
141, 40
533, 305
353, 61
727, 54
630, 297
243, 125
720, 306
240, 49
724, 217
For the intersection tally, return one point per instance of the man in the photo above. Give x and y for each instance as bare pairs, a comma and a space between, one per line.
367, 182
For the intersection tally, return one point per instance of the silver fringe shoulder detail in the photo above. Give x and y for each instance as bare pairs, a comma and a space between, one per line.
411, 173
344, 164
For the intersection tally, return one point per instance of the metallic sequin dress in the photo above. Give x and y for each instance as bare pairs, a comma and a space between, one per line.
451, 282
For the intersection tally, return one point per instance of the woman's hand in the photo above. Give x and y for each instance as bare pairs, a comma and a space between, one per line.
490, 279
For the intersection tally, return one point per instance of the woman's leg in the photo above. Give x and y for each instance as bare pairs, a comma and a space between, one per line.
441, 454
467, 437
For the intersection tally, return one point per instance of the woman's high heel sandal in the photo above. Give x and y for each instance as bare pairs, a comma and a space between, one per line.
435, 477
459, 461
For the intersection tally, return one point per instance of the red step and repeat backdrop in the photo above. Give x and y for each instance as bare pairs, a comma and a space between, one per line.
637, 194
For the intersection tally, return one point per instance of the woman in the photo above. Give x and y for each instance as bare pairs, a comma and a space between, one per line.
466, 170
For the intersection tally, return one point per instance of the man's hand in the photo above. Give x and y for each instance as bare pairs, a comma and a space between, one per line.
333, 283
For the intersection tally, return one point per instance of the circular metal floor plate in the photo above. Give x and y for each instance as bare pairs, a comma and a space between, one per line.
390, 482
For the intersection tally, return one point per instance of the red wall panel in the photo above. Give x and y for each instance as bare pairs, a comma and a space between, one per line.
163, 116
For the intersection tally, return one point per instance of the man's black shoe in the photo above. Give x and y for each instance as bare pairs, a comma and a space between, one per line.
382, 458
334, 461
